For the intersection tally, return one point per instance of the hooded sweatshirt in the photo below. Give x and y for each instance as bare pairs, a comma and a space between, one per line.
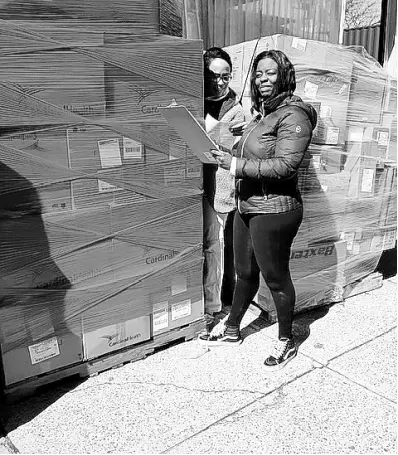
269, 155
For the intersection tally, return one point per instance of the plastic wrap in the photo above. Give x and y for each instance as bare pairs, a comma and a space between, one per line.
58, 17
100, 200
348, 179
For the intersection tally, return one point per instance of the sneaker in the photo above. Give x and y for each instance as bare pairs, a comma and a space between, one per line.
219, 336
284, 351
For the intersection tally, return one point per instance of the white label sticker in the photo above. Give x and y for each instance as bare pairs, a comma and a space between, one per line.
299, 43
131, 149
109, 152
355, 134
180, 310
332, 135
173, 176
356, 248
311, 89
382, 138
44, 350
316, 159
324, 188
178, 285
194, 172
367, 180
325, 111
389, 239
376, 243
161, 316
105, 187
343, 89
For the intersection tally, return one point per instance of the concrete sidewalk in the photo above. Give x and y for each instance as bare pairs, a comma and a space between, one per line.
337, 396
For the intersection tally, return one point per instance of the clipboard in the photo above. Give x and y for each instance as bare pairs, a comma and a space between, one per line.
191, 131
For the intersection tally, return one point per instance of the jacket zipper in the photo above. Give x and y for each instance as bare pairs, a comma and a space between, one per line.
241, 156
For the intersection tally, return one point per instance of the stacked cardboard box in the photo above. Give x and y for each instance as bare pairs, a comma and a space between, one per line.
348, 179
56, 18
100, 201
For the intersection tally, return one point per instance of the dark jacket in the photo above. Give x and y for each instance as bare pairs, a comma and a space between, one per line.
269, 155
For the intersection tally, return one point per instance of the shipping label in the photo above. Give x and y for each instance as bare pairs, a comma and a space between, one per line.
299, 44
109, 151
367, 180
44, 350
311, 89
105, 187
131, 149
160, 316
181, 310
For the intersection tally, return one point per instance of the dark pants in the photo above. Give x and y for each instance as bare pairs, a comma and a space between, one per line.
228, 279
262, 243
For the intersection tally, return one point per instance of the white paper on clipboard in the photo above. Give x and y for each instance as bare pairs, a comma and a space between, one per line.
190, 130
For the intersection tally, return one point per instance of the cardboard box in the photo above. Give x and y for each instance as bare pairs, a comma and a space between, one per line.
69, 80
136, 17
41, 357
135, 92
331, 89
370, 240
363, 175
368, 140
325, 205
329, 159
34, 338
168, 316
306, 54
103, 157
368, 91
386, 192
34, 154
109, 339
317, 274
180, 302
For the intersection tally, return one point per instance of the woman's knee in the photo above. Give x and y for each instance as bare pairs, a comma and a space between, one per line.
247, 276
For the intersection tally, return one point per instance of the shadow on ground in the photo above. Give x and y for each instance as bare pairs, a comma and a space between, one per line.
16, 414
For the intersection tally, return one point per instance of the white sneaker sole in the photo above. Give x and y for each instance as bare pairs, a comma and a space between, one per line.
219, 343
280, 366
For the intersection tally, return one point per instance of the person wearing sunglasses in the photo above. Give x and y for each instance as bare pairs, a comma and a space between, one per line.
222, 112
270, 208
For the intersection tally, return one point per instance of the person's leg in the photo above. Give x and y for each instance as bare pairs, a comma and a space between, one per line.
227, 331
229, 279
247, 270
272, 236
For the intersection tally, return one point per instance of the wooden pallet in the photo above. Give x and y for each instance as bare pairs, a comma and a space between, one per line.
31, 386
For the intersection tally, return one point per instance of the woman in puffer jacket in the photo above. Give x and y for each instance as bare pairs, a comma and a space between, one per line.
270, 208
222, 111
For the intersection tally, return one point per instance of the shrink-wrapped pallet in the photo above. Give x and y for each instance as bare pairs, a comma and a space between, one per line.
348, 178
100, 201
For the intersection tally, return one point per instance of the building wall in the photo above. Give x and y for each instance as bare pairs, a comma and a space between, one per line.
368, 37
226, 22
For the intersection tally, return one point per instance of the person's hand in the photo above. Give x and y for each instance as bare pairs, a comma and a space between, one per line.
237, 130
223, 159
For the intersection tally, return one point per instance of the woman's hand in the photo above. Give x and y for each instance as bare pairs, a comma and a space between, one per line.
238, 129
223, 159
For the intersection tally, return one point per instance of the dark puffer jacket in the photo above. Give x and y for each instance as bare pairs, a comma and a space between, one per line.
269, 155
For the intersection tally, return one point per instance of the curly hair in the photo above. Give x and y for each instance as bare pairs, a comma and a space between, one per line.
286, 80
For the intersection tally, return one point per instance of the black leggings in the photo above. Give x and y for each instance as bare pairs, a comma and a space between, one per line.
262, 243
